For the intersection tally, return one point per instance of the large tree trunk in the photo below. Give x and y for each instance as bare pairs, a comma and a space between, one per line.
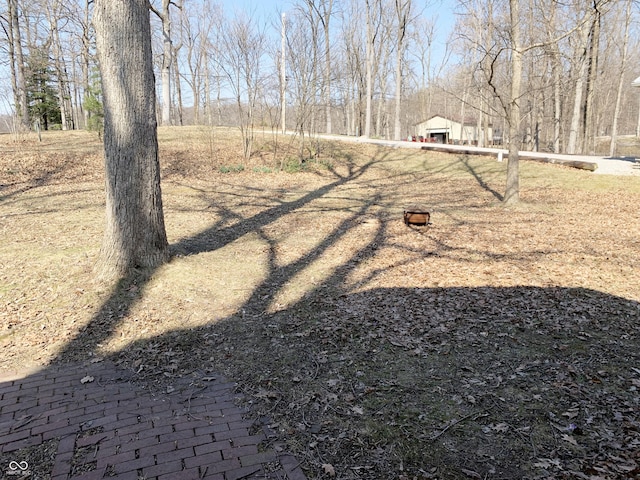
176, 73
12, 60
556, 77
369, 69
403, 10
166, 63
135, 233
574, 129
512, 194
86, 66
327, 63
623, 69
588, 136
397, 120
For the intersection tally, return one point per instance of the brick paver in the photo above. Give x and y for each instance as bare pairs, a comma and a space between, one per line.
108, 427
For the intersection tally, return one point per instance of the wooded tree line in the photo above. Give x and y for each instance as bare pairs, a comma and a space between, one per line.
355, 67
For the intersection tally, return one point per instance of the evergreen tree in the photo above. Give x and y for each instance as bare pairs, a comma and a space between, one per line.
42, 97
93, 104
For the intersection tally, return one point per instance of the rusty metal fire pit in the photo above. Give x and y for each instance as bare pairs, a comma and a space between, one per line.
416, 215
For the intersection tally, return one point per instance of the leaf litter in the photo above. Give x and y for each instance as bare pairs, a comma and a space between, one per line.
493, 344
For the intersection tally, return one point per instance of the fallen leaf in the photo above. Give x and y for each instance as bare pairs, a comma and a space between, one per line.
470, 473
501, 428
547, 463
570, 414
329, 469
570, 439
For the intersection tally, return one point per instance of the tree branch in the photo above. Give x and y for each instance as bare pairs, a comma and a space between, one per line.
490, 80
154, 10
587, 18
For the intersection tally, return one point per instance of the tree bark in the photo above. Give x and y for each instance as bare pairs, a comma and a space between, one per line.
85, 62
176, 73
588, 137
369, 70
572, 146
623, 69
166, 63
22, 107
512, 194
403, 10
556, 71
135, 234
327, 63
12, 59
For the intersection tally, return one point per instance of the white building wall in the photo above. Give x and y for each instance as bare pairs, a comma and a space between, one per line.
454, 130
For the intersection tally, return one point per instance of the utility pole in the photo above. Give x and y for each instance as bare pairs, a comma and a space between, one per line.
283, 74
636, 83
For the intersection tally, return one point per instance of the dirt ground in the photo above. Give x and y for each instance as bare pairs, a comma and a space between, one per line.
496, 343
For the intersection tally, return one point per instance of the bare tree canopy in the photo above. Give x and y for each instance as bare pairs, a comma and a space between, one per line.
376, 68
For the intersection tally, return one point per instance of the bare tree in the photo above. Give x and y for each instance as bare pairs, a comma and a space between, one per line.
191, 35
18, 65
178, 84
586, 67
353, 74
54, 13
623, 69
512, 193
238, 54
382, 73
302, 67
356, 54
403, 12
373, 20
135, 234
319, 14
326, 14
588, 123
554, 58
167, 58
422, 42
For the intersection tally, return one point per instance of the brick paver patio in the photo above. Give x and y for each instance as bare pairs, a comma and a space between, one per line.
91, 422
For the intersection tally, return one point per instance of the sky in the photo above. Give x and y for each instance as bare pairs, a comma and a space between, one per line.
270, 11
443, 9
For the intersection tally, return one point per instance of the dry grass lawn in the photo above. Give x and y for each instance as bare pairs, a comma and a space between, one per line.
499, 343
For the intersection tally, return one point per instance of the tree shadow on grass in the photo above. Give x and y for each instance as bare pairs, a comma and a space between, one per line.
473, 171
511, 383
128, 290
517, 382
44, 178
